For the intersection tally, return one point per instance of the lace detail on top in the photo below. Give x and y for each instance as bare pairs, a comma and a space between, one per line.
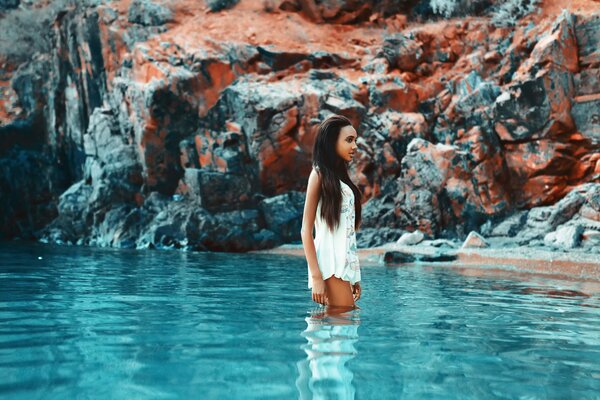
348, 212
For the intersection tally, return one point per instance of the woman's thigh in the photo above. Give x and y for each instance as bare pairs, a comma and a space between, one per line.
339, 292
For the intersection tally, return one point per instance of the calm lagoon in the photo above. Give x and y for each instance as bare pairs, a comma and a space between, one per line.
91, 323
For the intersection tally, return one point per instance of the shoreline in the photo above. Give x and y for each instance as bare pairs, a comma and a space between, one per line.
522, 259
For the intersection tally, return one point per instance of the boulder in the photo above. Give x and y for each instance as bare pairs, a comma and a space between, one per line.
588, 39
394, 94
403, 51
587, 82
9, 4
149, 13
536, 108
473, 241
434, 192
379, 212
283, 215
548, 218
216, 190
567, 237
401, 257
591, 239
511, 225
411, 238
398, 257
558, 46
438, 257
375, 237
586, 115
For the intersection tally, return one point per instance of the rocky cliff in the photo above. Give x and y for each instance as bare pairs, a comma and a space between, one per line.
179, 124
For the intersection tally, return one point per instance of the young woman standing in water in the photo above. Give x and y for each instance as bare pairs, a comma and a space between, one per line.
333, 208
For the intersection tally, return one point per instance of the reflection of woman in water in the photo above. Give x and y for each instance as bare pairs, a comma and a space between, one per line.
333, 208
325, 373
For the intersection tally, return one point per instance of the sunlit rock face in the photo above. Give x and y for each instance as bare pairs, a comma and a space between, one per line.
180, 125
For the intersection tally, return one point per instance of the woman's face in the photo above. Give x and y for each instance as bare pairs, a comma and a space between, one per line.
345, 146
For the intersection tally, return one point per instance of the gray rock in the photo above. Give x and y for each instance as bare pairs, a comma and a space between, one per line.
588, 40
546, 219
590, 238
283, 215
474, 240
29, 187
411, 238
511, 225
374, 237
120, 227
526, 116
149, 13
568, 237
217, 190
486, 228
398, 257
403, 51
377, 66
379, 212
401, 257
441, 243
550, 238
587, 82
103, 134
74, 200
218, 5
438, 257
9, 4
475, 93
586, 114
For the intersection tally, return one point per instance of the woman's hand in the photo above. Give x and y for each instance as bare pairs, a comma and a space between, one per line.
356, 291
318, 290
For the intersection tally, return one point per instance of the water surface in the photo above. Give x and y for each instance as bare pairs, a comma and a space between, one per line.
100, 323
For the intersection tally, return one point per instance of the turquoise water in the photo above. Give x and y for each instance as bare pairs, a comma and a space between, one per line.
80, 323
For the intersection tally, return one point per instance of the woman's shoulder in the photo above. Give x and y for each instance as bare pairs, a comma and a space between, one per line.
315, 173
314, 179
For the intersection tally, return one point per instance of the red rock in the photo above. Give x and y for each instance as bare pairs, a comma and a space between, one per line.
557, 47
399, 98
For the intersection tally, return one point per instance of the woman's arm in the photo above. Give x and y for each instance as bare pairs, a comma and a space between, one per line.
308, 221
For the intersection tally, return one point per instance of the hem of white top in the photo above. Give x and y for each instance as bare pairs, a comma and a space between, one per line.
333, 274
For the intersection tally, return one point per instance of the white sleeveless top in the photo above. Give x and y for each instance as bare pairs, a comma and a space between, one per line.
336, 251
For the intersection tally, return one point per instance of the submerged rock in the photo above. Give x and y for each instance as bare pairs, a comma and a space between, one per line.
403, 257
398, 257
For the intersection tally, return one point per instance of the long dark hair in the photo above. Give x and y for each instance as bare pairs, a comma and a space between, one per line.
332, 168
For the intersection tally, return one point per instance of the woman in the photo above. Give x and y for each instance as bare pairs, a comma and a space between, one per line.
333, 208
